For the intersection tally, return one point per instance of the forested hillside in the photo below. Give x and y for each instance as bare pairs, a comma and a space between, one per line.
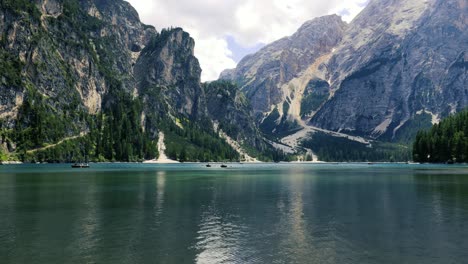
87, 79
336, 149
444, 142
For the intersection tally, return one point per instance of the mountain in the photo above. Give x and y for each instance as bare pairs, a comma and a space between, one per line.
405, 58
87, 78
269, 77
397, 67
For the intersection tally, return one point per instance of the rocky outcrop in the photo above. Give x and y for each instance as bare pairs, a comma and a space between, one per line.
232, 113
396, 61
68, 49
91, 72
262, 75
398, 58
168, 68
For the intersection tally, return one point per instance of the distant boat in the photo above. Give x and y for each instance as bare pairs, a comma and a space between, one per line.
80, 165
208, 165
223, 166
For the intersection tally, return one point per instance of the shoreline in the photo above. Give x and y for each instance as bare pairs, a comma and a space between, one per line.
169, 161
173, 162
160, 161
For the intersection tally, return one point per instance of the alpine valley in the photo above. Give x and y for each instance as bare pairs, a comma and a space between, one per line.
361, 91
87, 79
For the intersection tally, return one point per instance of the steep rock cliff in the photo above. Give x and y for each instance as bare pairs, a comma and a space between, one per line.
262, 75
399, 59
168, 69
232, 113
87, 78
398, 67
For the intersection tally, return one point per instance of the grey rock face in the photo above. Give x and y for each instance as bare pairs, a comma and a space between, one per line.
398, 59
168, 67
90, 67
261, 75
69, 49
75, 53
231, 110
51, 8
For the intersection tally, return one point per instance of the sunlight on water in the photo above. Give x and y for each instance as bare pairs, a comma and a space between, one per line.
160, 185
218, 240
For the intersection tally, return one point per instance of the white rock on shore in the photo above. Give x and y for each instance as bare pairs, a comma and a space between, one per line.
163, 159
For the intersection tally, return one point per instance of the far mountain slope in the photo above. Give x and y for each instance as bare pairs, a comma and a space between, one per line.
266, 75
398, 60
399, 66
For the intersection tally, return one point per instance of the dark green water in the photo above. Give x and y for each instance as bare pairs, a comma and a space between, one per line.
244, 214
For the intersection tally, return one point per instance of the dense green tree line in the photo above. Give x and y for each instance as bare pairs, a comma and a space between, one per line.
193, 141
334, 149
10, 69
444, 142
115, 134
19, 6
118, 133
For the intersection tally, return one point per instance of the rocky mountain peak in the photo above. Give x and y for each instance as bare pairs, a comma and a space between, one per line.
400, 55
171, 53
397, 63
261, 75
319, 25
168, 66
88, 78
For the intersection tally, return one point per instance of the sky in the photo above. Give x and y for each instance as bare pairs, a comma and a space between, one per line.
227, 30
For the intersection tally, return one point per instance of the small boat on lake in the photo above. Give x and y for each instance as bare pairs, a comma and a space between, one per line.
80, 165
223, 166
208, 165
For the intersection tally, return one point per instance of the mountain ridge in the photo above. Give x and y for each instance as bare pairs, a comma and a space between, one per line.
87, 78
265, 76
432, 31
396, 62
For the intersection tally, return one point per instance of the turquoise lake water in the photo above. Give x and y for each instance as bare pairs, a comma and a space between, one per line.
259, 213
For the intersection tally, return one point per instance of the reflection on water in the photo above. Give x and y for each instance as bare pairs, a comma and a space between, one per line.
296, 241
160, 185
250, 214
7, 224
218, 239
85, 231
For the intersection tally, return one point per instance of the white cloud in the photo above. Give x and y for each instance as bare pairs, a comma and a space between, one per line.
349, 10
213, 54
249, 22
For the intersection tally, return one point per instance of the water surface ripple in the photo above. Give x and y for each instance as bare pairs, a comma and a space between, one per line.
259, 213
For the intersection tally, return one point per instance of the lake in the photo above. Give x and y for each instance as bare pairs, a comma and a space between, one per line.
247, 213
